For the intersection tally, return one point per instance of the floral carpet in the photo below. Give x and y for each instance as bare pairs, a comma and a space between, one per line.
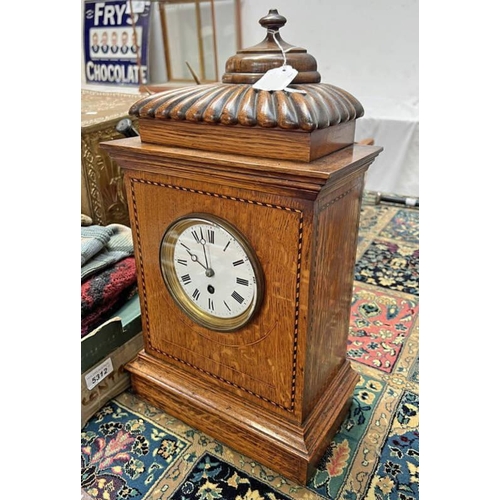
131, 449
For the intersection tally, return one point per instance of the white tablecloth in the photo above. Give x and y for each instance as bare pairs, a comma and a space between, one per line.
395, 126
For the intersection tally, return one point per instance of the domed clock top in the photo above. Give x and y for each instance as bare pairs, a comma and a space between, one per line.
235, 102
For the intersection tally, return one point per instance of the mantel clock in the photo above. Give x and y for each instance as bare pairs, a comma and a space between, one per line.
245, 207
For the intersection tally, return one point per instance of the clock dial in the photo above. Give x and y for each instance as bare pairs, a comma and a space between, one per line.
211, 271
214, 270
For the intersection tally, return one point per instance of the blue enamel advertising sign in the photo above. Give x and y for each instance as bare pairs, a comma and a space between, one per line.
116, 42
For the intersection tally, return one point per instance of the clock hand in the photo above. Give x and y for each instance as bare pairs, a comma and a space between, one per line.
209, 271
205, 253
194, 258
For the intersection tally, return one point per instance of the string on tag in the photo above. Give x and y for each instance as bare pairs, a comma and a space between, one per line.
283, 51
278, 78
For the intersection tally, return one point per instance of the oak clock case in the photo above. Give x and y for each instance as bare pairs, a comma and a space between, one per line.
211, 271
245, 209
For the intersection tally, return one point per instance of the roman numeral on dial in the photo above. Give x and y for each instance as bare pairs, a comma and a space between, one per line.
238, 262
236, 296
182, 262
186, 279
195, 236
241, 281
210, 304
211, 236
196, 294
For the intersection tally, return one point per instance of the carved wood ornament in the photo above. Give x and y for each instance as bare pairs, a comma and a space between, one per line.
312, 114
281, 169
321, 106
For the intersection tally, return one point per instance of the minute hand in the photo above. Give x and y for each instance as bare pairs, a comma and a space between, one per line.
206, 259
209, 271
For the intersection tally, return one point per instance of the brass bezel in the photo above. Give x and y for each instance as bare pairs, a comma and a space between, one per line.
203, 318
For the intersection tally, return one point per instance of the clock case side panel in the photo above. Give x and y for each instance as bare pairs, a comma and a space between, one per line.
335, 235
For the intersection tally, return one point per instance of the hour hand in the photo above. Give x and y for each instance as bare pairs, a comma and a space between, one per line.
194, 258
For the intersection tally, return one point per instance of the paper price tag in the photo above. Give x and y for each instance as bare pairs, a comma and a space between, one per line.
276, 78
98, 374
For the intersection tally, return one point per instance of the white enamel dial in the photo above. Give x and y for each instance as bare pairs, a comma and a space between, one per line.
211, 272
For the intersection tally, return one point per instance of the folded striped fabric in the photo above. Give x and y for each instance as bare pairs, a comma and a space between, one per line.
103, 246
105, 292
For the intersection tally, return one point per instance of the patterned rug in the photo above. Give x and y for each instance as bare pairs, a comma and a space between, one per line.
132, 450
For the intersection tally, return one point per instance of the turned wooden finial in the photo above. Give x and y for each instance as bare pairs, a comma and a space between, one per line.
273, 21
250, 64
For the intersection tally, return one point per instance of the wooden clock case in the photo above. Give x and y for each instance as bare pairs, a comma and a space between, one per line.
282, 168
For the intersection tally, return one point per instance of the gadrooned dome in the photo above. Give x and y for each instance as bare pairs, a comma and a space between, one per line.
236, 102
321, 106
